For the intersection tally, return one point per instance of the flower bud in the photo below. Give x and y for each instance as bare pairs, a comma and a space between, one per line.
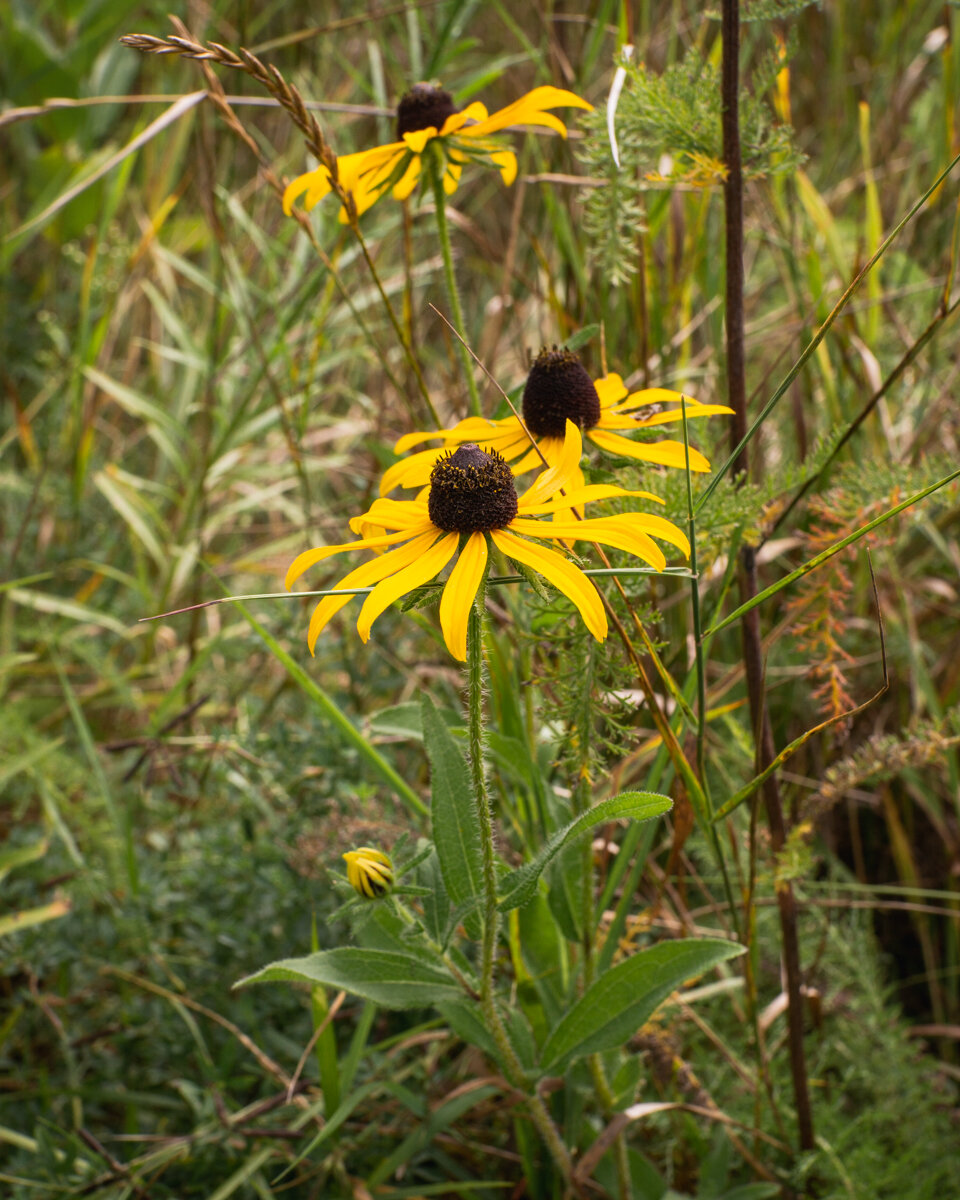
369, 871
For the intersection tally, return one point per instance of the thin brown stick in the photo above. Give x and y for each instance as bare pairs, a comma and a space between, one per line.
752, 642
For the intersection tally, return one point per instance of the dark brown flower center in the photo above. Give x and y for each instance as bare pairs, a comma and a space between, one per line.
471, 491
423, 107
558, 390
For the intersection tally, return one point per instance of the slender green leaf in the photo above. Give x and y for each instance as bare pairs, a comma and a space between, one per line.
614, 1007
520, 885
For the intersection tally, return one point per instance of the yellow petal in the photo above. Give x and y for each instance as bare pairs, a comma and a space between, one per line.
585, 495
473, 112
668, 416
412, 471
318, 179
529, 110
506, 161
459, 594
567, 463
610, 389
665, 454
657, 526
390, 514
561, 573
451, 177
419, 137
599, 530
408, 181
430, 563
303, 562
370, 572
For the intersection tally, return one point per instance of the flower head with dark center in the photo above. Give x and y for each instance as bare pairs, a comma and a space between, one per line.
471, 491
471, 500
428, 120
559, 389
423, 107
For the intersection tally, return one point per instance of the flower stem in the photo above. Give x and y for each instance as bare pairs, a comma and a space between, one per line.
513, 1068
443, 232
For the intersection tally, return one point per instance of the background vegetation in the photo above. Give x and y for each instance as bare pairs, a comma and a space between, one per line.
194, 395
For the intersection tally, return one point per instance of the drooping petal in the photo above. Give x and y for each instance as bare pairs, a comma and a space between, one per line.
318, 180
610, 389
584, 495
418, 138
470, 429
363, 576
473, 112
529, 110
670, 415
430, 563
459, 594
599, 530
657, 526
409, 472
506, 162
451, 177
562, 473
408, 181
303, 562
561, 573
389, 514
665, 454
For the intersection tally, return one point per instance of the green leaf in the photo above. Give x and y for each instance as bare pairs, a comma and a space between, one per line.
581, 337
385, 976
456, 827
611, 1010
520, 885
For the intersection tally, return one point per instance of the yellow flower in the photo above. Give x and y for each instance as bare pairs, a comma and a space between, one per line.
559, 389
471, 500
369, 871
427, 115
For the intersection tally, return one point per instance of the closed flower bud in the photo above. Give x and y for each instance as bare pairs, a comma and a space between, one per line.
369, 871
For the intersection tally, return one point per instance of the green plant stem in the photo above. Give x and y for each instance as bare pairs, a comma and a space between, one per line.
456, 311
491, 917
606, 1098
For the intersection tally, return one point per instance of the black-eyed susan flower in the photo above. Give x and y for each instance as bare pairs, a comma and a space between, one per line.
559, 389
428, 120
471, 501
369, 871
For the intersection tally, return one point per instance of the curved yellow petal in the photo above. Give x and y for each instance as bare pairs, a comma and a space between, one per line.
561, 473
473, 112
506, 162
664, 454
430, 563
530, 110
470, 429
658, 527
412, 471
561, 573
408, 181
418, 138
667, 416
577, 497
610, 389
451, 177
599, 530
459, 594
303, 562
320, 178
363, 576
390, 514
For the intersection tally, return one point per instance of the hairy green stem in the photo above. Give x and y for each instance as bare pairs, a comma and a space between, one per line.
513, 1068
456, 311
